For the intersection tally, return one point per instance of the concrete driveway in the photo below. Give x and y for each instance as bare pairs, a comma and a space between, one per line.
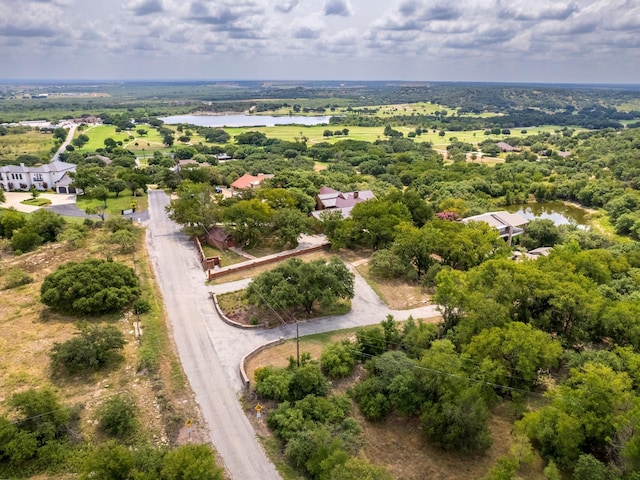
13, 199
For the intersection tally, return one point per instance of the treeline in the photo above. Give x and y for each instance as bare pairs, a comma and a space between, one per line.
591, 117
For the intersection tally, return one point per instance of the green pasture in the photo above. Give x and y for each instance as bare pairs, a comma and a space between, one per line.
114, 205
152, 141
98, 134
314, 134
33, 142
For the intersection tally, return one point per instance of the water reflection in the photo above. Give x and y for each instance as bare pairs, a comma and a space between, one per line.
560, 213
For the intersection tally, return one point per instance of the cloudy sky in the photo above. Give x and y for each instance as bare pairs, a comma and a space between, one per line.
578, 41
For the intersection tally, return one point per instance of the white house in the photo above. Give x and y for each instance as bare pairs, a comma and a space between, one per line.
50, 176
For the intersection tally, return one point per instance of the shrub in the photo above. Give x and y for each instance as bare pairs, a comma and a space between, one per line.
113, 224
338, 359
90, 287
307, 380
16, 277
386, 264
92, 348
273, 383
141, 306
118, 416
125, 239
25, 240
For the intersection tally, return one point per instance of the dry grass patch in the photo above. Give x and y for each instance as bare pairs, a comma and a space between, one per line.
396, 293
30, 330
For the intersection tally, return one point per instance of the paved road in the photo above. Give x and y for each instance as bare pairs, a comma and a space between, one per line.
195, 329
72, 130
211, 350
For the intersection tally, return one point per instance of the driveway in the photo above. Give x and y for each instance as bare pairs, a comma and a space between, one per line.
13, 199
211, 351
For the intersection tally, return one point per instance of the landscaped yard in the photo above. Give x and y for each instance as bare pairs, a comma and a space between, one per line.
114, 205
37, 202
236, 307
227, 257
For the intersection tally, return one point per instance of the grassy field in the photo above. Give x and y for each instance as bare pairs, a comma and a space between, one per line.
98, 134
314, 134
30, 330
30, 143
114, 205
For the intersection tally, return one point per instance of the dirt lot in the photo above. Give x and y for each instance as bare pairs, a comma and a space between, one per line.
397, 294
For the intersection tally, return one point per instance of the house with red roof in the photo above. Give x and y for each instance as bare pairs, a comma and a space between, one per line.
248, 181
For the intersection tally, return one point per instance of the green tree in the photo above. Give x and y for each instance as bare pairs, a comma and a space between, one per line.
109, 461
116, 185
339, 359
40, 413
90, 287
249, 220
450, 297
296, 283
288, 225
91, 348
540, 233
513, 354
584, 415
98, 192
196, 207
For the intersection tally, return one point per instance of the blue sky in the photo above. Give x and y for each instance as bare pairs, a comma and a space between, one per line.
578, 41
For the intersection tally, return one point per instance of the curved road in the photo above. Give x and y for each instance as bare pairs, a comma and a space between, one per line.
72, 131
211, 351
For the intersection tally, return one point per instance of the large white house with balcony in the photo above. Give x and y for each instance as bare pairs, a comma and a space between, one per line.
53, 176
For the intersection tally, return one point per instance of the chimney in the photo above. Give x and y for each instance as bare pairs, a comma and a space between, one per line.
355, 194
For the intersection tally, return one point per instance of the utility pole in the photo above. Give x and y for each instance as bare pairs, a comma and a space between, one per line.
297, 342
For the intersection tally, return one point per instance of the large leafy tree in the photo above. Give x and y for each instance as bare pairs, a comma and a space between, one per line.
513, 354
90, 287
248, 219
295, 283
196, 207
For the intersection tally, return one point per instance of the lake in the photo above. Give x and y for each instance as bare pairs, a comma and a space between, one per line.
244, 120
560, 213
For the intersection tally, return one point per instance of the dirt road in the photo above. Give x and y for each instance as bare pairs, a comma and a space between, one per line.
194, 326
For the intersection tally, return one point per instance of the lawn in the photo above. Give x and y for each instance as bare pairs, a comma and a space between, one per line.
33, 142
227, 257
98, 134
114, 205
37, 202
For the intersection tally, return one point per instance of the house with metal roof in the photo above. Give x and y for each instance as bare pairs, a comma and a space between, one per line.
508, 224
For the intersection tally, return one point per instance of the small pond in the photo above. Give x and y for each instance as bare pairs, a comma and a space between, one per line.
559, 212
241, 120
